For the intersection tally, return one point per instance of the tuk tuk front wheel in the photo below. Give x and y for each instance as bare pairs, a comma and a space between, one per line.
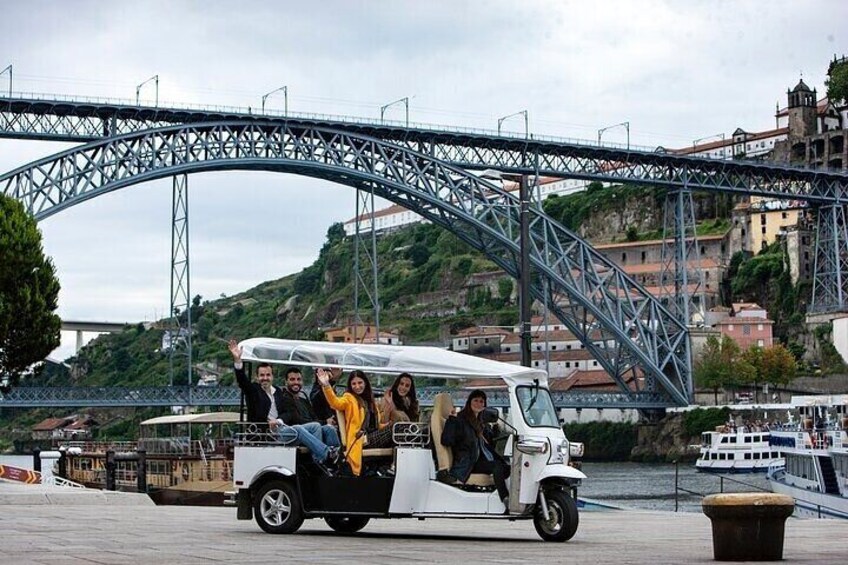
562, 521
277, 508
347, 524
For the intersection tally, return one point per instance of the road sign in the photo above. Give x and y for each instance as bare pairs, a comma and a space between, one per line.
19, 475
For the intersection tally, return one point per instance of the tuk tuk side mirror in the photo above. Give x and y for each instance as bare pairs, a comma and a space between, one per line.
489, 415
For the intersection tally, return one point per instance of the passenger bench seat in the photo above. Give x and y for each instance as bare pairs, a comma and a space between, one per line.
442, 409
379, 452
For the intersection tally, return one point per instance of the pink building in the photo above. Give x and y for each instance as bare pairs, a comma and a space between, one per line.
747, 330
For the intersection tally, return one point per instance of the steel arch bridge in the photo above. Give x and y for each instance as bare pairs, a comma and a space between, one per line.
590, 294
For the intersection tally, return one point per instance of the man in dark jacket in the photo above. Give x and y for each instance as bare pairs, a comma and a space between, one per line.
267, 403
297, 410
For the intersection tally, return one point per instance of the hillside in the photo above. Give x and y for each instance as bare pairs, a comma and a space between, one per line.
431, 284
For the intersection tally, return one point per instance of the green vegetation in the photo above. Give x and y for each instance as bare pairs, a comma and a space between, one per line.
29, 292
700, 420
603, 441
837, 83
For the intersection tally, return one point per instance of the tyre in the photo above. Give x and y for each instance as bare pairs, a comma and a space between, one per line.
277, 508
347, 524
563, 519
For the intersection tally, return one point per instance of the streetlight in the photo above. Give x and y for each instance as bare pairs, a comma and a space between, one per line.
405, 101
285, 90
138, 89
626, 126
718, 135
9, 68
526, 122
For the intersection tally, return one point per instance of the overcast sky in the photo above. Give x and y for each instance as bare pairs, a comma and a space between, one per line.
677, 71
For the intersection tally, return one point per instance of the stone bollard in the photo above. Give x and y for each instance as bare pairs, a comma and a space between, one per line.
748, 526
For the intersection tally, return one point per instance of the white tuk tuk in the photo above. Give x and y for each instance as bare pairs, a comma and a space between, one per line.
280, 486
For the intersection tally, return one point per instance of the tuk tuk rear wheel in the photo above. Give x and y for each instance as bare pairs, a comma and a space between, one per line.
277, 508
563, 518
347, 524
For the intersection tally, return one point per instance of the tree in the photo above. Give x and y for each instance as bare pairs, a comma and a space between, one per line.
754, 356
778, 365
721, 365
29, 294
837, 82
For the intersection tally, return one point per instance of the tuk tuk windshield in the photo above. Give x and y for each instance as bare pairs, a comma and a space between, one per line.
537, 407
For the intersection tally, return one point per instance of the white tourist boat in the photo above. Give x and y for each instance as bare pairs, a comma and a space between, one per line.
737, 449
815, 448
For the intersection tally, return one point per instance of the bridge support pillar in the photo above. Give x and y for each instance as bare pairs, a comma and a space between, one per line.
365, 265
180, 330
79, 341
830, 273
681, 277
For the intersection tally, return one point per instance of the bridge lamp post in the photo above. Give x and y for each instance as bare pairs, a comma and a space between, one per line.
285, 91
138, 89
9, 68
625, 125
405, 101
716, 136
526, 122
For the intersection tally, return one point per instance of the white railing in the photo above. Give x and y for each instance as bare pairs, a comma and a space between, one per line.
54, 481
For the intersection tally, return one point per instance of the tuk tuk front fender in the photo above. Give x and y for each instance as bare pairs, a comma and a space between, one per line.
561, 471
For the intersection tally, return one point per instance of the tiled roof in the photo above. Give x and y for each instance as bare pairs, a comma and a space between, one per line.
50, 424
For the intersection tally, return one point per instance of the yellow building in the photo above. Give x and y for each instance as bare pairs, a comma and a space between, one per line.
766, 220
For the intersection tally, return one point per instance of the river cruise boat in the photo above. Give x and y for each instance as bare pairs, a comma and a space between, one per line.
815, 448
188, 459
737, 449
279, 486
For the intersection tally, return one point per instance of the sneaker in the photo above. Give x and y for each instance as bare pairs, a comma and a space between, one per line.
505, 501
334, 455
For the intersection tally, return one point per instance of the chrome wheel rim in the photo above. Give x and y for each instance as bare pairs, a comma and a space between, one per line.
553, 524
275, 507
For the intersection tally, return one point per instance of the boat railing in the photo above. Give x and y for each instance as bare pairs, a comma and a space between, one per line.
100, 446
722, 479
185, 446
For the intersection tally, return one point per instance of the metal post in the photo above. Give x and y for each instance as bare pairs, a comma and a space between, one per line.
111, 467
141, 471
625, 125
366, 271
405, 101
9, 68
526, 122
36, 459
524, 274
676, 482
285, 91
138, 89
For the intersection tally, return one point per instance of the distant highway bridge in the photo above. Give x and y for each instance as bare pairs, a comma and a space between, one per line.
81, 327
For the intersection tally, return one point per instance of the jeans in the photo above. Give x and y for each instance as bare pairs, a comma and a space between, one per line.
313, 436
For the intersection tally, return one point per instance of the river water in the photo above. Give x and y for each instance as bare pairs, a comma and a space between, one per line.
629, 485
650, 486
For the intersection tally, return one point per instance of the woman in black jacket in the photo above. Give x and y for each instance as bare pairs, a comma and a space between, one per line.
472, 444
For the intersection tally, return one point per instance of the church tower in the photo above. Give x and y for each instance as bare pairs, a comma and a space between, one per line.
802, 111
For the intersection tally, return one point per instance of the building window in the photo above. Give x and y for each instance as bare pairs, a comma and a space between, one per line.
764, 230
624, 257
730, 328
761, 343
746, 329
759, 327
643, 256
783, 215
762, 219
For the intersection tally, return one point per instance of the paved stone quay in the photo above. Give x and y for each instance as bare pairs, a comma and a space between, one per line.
117, 533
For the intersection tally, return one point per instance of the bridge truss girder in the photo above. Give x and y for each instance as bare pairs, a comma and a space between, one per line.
129, 397
620, 323
63, 120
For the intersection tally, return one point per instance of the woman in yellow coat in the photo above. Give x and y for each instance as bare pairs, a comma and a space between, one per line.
360, 412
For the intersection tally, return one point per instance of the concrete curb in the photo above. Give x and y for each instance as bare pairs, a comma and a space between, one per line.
37, 495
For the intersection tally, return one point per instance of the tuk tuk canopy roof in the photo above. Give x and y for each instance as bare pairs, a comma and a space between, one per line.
202, 418
385, 359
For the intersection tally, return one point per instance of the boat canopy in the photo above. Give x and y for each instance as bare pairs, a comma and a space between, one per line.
419, 361
202, 418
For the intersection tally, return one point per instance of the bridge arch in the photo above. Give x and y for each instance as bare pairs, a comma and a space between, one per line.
627, 330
